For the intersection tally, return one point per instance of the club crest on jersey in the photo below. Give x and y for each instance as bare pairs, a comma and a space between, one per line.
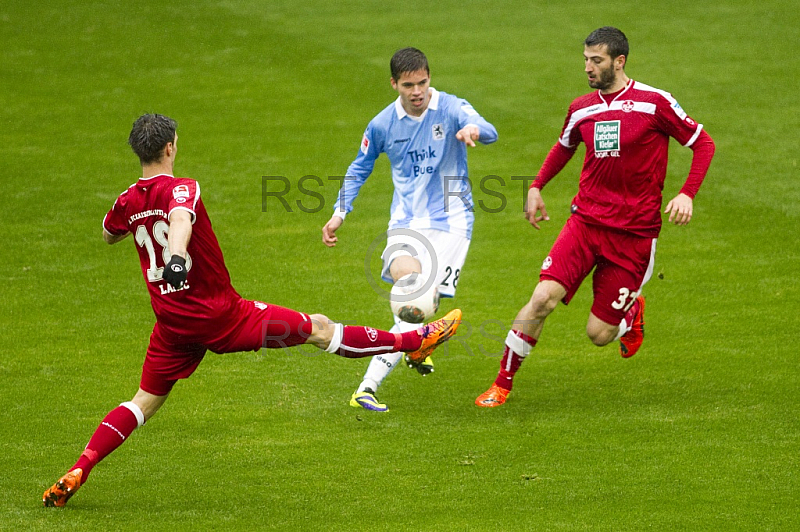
364, 145
372, 334
438, 132
606, 138
627, 106
547, 263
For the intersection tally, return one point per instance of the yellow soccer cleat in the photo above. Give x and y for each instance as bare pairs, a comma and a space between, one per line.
425, 367
367, 401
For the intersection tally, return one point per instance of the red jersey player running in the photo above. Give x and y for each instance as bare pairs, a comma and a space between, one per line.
195, 305
616, 219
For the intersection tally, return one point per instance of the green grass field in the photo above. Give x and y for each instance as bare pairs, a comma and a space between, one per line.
699, 431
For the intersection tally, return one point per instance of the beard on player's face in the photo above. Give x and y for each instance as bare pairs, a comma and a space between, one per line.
606, 79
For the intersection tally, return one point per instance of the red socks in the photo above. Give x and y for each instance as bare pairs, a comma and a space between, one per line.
358, 342
115, 429
518, 345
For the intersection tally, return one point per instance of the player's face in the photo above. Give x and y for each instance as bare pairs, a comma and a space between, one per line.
413, 89
599, 67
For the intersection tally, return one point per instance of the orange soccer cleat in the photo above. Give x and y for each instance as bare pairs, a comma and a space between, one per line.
494, 396
631, 341
60, 492
433, 335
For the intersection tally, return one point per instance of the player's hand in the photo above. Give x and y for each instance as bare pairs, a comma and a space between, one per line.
535, 210
329, 237
175, 271
680, 209
469, 134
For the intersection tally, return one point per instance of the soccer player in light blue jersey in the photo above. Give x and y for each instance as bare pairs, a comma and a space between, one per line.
425, 133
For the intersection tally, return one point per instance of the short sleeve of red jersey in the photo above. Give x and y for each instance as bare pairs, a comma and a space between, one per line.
114, 221
675, 122
185, 195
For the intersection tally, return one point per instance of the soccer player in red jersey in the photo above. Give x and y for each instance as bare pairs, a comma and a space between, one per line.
625, 126
196, 308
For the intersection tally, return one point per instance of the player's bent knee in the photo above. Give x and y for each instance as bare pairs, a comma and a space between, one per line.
601, 335
322, 330
404, 265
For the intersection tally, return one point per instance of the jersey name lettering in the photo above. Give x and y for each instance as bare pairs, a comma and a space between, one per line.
147, 213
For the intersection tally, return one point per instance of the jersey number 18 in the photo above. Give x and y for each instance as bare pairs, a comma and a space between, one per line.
160, 233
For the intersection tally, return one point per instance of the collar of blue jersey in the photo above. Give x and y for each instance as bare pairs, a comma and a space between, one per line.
433, 104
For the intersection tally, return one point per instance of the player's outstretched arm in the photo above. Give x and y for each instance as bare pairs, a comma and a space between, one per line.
113, 239
329, 237
535, 210
680, 209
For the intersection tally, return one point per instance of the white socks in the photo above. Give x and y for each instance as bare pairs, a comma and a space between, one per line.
381, 365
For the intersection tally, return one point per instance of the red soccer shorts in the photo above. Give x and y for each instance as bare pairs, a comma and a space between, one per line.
622, 264
251, 326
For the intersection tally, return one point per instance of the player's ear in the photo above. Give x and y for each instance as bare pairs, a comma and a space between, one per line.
393, 82
621, 60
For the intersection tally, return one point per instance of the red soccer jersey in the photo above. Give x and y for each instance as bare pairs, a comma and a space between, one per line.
626, 155
195, 311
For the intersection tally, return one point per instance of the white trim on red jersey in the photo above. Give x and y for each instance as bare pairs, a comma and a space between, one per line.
619, 102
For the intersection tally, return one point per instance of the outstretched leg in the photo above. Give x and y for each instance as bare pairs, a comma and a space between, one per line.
358, 342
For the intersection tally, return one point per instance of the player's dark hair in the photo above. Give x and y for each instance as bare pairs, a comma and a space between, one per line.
150, 135
408, 60
615, 41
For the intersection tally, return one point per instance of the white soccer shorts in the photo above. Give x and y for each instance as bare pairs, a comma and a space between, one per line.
443, 251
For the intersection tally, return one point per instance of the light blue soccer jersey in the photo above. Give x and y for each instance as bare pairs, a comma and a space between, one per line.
429, 165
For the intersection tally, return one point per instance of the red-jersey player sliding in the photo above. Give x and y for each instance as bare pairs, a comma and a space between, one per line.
616, 216
195, 305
